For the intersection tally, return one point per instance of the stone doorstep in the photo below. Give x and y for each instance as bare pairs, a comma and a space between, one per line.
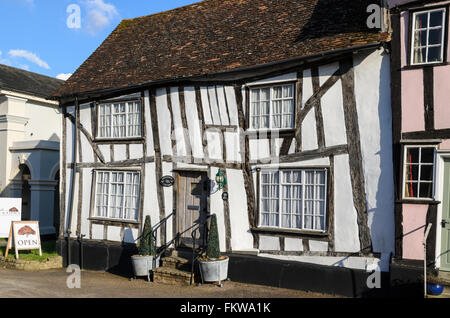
171, 276
176, 263
26, 265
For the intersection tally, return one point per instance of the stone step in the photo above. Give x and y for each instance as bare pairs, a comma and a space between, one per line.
176, 263
171, 276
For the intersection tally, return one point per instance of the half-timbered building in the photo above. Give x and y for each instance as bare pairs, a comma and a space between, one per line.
421, 134
290, 100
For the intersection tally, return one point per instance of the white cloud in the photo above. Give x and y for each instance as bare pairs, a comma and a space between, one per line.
30, 57
99, 15
4, 61
64, 76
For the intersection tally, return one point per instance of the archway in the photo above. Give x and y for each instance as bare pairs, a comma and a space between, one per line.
26, 193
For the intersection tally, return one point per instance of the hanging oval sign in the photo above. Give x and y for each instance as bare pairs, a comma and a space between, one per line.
167, 181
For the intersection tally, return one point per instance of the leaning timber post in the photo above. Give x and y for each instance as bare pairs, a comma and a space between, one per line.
246, 168
354, 153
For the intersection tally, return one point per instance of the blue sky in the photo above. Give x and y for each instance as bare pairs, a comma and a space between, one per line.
35, 34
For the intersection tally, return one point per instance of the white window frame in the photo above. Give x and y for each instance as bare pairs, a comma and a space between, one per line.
405, 164
271, 100
413, 32
280, 198
135, 194
128, 134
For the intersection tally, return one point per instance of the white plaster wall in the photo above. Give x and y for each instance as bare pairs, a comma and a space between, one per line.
309, 132
269, 243
164, 122
113, 234
312, 163
195, 135
86, 204
205, 105
375, 125
130, 235
345, 262
106, 152
120, 152
148, 125
214, 141
333, 116
233, 147
168, 199
97, 232
151, 205
179, 133
345, 222
293, 245
307, 86
222, 105
232, 105
86, 149
45, 122
136, 151
318, 246
214, 105
326, 71
259, 149
217, 208
241, 238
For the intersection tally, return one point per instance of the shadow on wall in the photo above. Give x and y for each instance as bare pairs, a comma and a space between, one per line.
324, 22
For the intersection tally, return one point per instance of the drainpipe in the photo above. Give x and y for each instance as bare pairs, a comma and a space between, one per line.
425, 259
74, 171
80, 241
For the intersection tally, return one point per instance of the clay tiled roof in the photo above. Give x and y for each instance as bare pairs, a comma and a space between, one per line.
220, 35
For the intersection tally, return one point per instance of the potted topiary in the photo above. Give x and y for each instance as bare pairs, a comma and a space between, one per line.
143, 262
213, 266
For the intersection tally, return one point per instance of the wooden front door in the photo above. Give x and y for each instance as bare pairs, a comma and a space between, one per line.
191, 207
445, 222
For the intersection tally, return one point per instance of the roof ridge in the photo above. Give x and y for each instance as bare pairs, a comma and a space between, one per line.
30, 72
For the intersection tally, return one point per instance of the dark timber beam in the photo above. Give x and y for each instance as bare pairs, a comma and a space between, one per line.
354, 152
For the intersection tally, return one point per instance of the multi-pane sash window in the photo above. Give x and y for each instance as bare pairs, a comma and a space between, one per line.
428, 36
419, 166
119, 120
117, 195
272, 107
293, 199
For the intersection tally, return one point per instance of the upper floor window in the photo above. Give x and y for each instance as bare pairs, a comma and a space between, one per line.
119, 120
272, 107
428, 29
418, 173
293, 199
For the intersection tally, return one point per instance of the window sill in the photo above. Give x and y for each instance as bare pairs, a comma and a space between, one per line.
418, 201
420, 66
117, 140
287, 232
114, 222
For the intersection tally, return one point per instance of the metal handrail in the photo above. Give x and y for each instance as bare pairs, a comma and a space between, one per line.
194, 256
162, 249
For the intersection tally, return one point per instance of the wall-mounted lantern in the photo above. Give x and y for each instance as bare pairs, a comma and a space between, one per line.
221, 180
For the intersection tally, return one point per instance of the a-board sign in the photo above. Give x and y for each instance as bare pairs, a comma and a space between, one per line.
25, 236
10, 210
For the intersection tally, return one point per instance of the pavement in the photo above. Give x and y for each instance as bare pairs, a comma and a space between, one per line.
53, 284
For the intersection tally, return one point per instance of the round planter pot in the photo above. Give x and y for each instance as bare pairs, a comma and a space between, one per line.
434, 289
214, 271
141, 265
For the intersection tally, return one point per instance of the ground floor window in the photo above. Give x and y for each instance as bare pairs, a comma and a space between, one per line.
418, 172
293, 199
117, 195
